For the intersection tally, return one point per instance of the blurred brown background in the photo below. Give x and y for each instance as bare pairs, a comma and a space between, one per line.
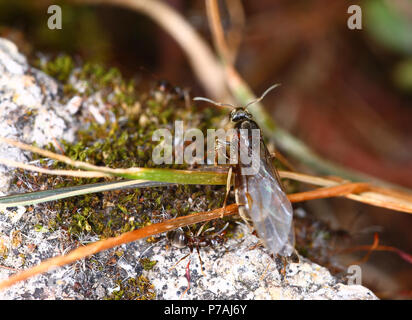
346, 93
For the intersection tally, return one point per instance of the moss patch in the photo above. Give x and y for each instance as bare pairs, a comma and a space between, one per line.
133, 289
123, 141
147, 264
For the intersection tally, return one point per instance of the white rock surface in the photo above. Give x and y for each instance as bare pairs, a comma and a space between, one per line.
235, 271
30, 110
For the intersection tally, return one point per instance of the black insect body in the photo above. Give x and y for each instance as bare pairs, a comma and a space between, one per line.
179, 239
260, 196
258, 189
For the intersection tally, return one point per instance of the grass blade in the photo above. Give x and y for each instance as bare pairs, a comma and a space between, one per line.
31, 198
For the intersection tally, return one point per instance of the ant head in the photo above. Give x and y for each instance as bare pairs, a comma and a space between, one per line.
240, 114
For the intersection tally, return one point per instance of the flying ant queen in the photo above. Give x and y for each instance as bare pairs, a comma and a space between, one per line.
259, 196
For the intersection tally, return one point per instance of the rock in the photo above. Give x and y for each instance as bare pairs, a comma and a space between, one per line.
31, 111
235, 271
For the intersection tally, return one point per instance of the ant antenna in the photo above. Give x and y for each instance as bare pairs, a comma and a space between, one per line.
223, 105
263, 95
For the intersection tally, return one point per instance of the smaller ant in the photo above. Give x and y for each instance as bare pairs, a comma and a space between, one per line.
179, 239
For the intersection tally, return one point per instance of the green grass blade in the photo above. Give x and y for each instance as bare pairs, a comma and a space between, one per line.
171, 175
152, 174
31, 198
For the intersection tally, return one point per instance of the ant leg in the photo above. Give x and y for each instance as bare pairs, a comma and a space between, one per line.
294, 257
244, 217
200, 229
181, 259
188, 279
220, 149
266, 270
285, 263
197, 247
228, 183
220, 231
200, 259
242, 212
257, 245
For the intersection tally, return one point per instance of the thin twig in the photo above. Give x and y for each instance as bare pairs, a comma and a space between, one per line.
237, 24
213, 14
71, 173
154, 174
377, 196
328, 192
375, 247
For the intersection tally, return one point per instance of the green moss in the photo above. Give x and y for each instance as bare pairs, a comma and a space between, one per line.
123, 142
147, 264
138, 288
59, 68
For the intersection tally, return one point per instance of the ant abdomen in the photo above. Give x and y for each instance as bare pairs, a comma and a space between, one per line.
177, 238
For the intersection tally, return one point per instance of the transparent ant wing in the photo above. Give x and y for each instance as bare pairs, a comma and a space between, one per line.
261, 197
